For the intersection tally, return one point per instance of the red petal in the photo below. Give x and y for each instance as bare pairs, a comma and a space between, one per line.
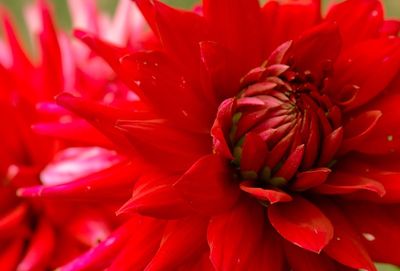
343, 183
269, 255
358, 20
390, 28
254, 151
292, 163
384, 138
303, 260
370, 74
279, 53
89, 227
378, 169
144, 246
99, 257
358, 128
345, 239
286, 20
156, 141
200, 263
40, 248
113, 182
100, 116
301, 223
380, 227
110, 53
10, 254
182, 240
233, 247
330, 146
180, 33
270, 195
221, 68
154, 196
11, 220
179, 100
51, 56
221, 128
302, 53
236, 26
147, 9
308, 179
21, 61
78, 131
209, 186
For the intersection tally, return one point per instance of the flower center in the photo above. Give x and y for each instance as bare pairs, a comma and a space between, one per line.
281, 125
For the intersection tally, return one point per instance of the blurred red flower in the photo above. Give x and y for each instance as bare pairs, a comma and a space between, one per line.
267, 139
36, 233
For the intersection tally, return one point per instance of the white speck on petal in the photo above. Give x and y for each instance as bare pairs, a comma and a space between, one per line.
369, 236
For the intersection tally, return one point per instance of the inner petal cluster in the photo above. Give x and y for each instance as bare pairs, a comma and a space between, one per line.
284, 130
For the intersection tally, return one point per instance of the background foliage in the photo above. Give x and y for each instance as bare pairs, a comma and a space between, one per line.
392, 9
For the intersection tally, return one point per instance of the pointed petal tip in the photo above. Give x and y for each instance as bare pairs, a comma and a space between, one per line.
127, 206
80, 34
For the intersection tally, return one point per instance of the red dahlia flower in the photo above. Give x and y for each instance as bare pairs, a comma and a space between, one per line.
38, 234
268, 139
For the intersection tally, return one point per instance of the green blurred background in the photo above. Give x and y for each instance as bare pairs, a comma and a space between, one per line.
392, 9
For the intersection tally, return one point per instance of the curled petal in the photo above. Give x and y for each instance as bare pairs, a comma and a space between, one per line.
301, 223
270, 195
343, 183
357, 130
307, 179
